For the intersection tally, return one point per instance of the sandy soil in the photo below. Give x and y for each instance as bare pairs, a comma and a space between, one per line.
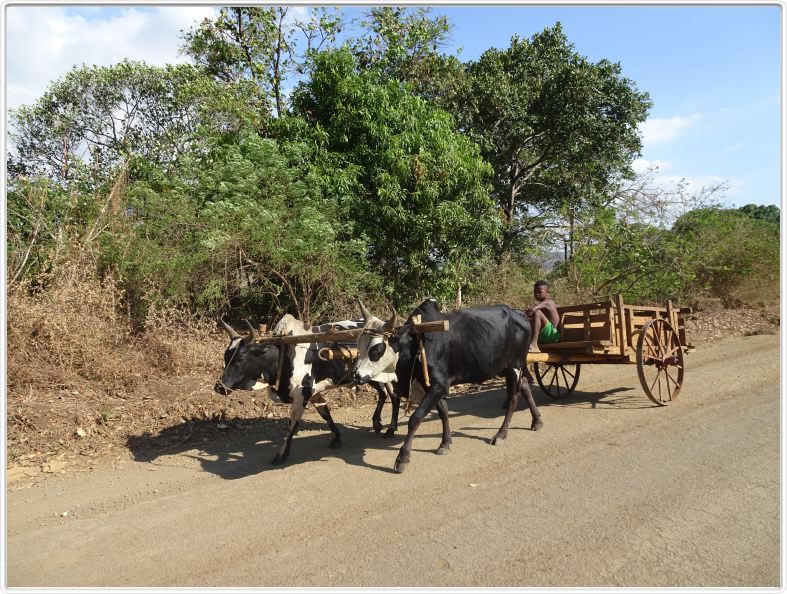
613, 491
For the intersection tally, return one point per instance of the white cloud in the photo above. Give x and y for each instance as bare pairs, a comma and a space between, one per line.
45, 42
734, 148
659, 130
300, 13
643, 165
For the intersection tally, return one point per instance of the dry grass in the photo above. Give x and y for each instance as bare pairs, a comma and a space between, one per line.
83, 384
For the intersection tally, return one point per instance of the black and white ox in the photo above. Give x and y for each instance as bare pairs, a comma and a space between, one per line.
481, 343
302, 378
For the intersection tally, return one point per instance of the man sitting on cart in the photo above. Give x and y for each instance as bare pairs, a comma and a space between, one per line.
544, 317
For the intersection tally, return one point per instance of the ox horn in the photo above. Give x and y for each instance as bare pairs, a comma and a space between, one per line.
253, 335
389, 325
364, 311
230, 331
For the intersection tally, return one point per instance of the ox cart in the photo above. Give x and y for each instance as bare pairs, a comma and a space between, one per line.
611, 332
603, 332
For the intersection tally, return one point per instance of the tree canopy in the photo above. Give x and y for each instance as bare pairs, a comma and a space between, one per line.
391, 170
556, 128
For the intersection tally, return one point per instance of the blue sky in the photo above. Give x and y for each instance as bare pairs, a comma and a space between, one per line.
713, 72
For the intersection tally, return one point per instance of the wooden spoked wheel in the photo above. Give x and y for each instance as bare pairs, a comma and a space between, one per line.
660, 361
557, 381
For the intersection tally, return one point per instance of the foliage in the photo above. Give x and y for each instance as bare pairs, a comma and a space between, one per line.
734, 257
254, 49
49, 225
95, 117
639, 260
259, 229
424, 208
766, 213
404, 44
249, 48
708, 252
556, 128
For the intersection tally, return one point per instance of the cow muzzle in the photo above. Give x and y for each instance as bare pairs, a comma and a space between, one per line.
220, 388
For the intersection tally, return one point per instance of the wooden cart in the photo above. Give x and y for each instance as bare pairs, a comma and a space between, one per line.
611, 332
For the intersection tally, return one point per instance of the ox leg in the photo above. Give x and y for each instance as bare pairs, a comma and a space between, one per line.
442, 410
512, 388
536, 423
292, 428
377, 422
528, 377
428, 402
322, 407
395, 400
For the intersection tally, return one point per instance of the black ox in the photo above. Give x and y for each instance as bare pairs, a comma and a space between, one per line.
481, 343
303, 376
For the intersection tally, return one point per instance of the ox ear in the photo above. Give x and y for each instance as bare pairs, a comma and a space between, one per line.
229, 330
364, 312
252, 336
389, 325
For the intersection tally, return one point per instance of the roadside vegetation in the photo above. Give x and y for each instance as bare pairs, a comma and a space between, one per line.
143, 201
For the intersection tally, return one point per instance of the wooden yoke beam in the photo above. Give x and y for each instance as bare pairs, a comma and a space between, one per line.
345, 335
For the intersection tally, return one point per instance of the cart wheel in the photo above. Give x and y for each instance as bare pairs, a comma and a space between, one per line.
557, 381
660, 361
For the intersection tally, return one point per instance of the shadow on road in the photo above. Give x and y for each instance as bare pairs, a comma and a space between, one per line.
247, 446
237, 448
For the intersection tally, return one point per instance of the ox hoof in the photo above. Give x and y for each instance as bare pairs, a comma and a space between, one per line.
378, 426
400, 465
498, 440
443, 450
536, 425
389, 434
335, 443
278, 460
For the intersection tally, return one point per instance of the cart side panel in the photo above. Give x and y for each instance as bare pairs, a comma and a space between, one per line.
586, 323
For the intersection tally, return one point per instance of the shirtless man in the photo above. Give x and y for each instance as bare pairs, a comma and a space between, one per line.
543, 317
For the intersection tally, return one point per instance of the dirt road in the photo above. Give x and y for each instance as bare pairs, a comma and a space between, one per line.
612, 492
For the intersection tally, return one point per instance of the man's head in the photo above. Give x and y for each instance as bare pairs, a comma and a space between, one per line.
541, 290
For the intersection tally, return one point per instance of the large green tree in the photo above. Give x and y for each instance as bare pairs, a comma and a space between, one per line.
556, 128
424, 208
95, 117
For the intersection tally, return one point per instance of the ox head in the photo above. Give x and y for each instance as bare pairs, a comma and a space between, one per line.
247, 366
397, 348
377, 357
